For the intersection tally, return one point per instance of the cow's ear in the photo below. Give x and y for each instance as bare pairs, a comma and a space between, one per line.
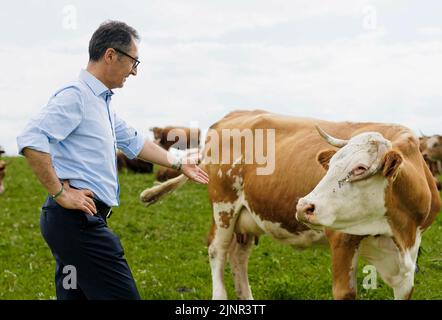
391, 164
324, 157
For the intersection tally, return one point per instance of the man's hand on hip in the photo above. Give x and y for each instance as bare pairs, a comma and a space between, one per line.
72, 198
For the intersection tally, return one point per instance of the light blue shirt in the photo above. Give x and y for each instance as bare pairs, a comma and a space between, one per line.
81, 131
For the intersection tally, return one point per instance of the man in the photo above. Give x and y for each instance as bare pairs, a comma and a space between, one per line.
71, 147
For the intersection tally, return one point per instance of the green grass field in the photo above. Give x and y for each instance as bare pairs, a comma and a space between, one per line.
165, 246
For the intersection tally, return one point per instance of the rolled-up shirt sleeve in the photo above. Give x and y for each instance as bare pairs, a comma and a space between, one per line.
54, 122
128, 139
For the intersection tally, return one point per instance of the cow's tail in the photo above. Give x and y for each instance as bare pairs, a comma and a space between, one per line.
151, 195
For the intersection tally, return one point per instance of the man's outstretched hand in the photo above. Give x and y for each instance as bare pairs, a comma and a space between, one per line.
195, 173
190, 168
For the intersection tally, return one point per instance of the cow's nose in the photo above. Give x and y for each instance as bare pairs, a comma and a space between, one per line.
305, 212
308, 209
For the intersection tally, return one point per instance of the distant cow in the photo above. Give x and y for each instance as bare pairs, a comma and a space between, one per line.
179, 137
2, 171
431, 149
164, 174
434, 148
2, 175
135, 165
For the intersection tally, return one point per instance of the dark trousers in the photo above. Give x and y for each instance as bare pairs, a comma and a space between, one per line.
89, 258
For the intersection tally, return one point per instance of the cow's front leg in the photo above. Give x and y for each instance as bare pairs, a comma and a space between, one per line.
344, 250
396, 266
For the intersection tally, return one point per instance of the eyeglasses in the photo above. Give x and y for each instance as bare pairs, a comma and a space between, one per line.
136, 61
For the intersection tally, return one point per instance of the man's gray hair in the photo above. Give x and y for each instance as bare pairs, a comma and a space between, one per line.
111, 34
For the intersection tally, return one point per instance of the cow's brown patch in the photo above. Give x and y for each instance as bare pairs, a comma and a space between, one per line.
225, 217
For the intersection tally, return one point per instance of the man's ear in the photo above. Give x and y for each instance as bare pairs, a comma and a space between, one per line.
391, 164
324, 157
110, 55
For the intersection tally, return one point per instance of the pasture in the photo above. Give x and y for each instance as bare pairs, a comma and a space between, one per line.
165, 246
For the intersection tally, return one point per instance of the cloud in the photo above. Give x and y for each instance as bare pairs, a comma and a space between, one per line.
430, 31
195, 19
366, 76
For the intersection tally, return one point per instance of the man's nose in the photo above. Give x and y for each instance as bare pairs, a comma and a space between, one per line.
134, 71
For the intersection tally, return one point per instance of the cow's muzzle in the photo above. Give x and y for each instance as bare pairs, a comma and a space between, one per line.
305, 213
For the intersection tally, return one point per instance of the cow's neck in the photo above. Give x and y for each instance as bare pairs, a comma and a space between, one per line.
407, 206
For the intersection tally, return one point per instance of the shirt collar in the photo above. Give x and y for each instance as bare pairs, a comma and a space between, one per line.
97, 87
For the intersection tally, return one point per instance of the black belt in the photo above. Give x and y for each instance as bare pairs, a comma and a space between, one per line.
103, 209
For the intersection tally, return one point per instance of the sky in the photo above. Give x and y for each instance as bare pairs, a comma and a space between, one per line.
340, 60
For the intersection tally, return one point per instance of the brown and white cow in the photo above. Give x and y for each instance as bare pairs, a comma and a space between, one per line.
248, 205
134, 165
179, 137
2, 175
431, 149
2, 171
164, 174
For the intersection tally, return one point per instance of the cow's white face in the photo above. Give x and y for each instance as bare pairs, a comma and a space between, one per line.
350, 197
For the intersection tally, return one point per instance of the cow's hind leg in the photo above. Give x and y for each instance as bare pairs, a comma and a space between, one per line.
239, 253
225, 215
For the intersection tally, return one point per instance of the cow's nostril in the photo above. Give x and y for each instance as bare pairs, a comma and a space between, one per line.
310, 209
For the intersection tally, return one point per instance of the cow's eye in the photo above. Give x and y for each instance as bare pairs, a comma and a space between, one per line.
358, 170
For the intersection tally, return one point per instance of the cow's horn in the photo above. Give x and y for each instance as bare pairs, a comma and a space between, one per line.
331, 140
423, 134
